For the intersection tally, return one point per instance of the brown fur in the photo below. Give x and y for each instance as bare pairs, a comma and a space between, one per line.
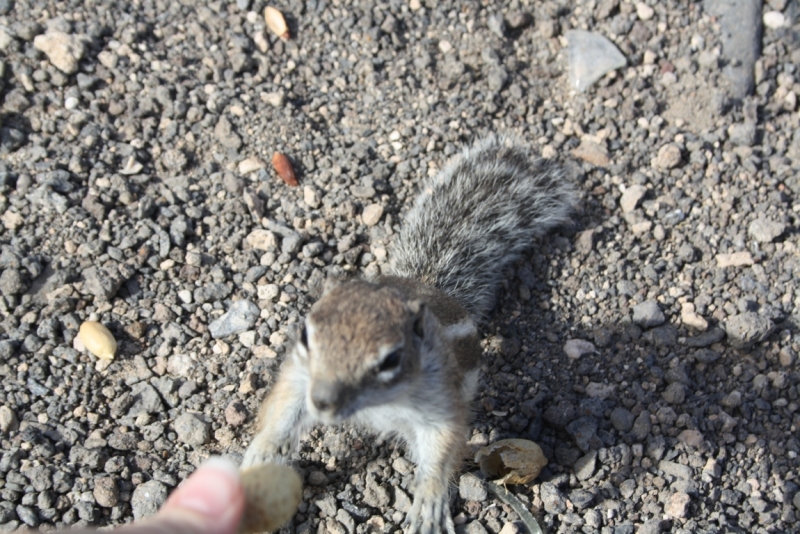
354, 328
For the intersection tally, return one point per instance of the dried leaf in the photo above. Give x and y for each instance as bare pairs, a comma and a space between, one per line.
272, 493
511, 461
276, 22
284, 169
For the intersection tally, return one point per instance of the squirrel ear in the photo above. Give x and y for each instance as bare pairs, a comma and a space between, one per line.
319, 286
331, 282
303, 337
301, 343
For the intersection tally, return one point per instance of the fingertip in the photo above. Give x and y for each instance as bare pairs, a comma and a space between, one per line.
212, 496
222, 464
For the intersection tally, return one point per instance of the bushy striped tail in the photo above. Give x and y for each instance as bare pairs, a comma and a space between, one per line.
477, 216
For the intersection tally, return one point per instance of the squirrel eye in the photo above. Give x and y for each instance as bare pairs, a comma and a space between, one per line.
304, 337
390, 362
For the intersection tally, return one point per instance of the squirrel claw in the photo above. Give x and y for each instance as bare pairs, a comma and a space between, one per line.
259, 456
429, 516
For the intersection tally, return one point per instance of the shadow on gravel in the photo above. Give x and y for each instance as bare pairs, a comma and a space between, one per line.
650, 403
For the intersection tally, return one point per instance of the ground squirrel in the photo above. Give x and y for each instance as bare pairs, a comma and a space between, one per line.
400, 354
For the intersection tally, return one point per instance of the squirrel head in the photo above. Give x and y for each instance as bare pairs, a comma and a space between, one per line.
363, 344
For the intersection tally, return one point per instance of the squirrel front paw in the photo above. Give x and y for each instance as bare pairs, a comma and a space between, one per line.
260, 453
429, 515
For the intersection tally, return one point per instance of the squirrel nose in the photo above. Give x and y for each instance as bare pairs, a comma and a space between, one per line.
325, 396
322, 405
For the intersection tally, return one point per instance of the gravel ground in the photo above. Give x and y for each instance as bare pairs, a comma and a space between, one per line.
650, 347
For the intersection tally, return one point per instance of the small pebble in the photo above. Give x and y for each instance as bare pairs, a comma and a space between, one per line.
8, 419
669, 157
747, 328
192, 430
643, 11
787, 357
631, 198
678, 505
774, 19
593, 153
148, 498
235, 414
106, 493
471, 489
251, 164
372, 214
241, 316
63, 50
734, 259
585, 466
575, 348
691, 319
648, 314
311, 197
765, 231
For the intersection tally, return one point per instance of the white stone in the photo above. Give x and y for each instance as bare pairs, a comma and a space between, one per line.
669, 157
678, 505
248, 339
180, 365
774, 19
379, 253
131, 167
251, 164
5, 38
691, 318
631, 197
575, 348
12, 220
641, 228
274, 99
108, 59
261, 239
734, 259
262, 351
790, 101
261, 42
597, 390
311, 197
268, 292
63, 50
194, 259
8, 419
372, 214
276, 338
643, 11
